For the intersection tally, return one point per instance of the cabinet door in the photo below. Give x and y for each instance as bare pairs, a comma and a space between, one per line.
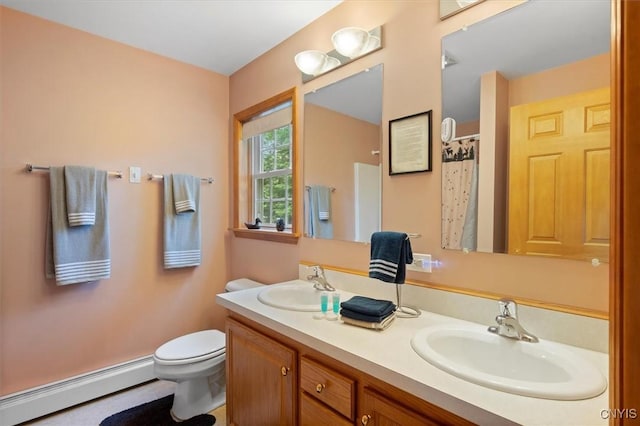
261, 379
377, 410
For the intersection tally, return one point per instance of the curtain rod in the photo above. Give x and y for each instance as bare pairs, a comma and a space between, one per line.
31, 168
459, 138
151, 176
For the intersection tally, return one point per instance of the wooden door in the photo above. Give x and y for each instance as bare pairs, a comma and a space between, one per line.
261, 379
559, 188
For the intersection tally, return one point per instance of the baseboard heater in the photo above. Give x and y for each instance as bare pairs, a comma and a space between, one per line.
42, 400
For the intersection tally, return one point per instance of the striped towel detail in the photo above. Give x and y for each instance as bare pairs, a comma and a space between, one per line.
77, 219
185, 206
185, 188
80, 272
179, 259
384, 267
80, 193
390, 253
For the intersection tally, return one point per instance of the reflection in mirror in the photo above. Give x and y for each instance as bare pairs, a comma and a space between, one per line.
342, 158
526, 155
451, 7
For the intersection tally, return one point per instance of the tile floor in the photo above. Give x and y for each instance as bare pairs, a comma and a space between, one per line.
93, 412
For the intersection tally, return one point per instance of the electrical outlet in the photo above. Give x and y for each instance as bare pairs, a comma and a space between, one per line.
134, 174
421, 263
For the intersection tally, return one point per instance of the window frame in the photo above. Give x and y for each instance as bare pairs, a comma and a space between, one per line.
243, 177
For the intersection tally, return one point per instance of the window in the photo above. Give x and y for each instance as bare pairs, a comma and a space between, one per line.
265, 169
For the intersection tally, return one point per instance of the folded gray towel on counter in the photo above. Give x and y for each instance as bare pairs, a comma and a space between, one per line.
182, 244
80, 190
81, 253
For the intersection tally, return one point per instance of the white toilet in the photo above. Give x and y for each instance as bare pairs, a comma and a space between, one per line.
196, 363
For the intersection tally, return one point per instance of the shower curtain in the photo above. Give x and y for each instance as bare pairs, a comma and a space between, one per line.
460, 194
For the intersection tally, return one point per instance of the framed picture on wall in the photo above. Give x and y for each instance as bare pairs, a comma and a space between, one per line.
410, 144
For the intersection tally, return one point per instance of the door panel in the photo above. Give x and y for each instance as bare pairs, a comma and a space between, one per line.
559, 177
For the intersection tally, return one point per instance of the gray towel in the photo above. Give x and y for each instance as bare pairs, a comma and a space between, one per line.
77, 254
181, 231
316, 226
324, 202
184, 193
80, 190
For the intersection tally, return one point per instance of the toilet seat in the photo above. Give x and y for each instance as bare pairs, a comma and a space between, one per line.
191, 348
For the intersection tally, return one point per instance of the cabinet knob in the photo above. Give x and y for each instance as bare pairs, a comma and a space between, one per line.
284, 370
365, 419
319, 387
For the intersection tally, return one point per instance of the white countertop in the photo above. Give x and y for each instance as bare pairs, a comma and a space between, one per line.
388, 356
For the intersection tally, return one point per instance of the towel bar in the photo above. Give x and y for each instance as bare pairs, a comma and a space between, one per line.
30, 168
151, 176
331, 188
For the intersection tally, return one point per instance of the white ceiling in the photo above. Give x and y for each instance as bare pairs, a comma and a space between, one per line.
219, 35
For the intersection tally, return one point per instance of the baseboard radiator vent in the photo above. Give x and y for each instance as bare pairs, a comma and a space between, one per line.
42, 400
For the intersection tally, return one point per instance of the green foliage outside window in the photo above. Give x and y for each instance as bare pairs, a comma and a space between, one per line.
272, 176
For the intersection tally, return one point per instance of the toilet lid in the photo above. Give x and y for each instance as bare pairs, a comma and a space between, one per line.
195, 346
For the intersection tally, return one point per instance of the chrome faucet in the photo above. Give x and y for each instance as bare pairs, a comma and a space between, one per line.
508, 324
319, 280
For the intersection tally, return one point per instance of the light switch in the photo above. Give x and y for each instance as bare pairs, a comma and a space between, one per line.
134, 174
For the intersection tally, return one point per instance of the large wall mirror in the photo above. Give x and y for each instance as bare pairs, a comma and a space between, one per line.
525, 160
342, 178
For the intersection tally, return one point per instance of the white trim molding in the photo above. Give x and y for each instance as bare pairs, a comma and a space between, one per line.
39, 401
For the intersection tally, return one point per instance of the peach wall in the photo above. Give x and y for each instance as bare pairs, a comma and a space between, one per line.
493, 160
333, 143
467, 128
411, 58
69, 97
588, 74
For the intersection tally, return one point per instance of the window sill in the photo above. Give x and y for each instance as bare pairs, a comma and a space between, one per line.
267, 235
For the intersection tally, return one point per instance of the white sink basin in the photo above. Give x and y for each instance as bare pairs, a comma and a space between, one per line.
296, 295
543, 370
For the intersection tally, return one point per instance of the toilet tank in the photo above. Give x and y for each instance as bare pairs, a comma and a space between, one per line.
242, 284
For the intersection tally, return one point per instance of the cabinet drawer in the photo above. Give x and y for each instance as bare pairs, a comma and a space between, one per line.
328, 386
314, 413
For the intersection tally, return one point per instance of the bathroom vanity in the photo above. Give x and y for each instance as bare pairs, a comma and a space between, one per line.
285, 367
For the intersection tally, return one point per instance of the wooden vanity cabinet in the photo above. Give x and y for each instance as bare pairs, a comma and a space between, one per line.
261, 378
316, 390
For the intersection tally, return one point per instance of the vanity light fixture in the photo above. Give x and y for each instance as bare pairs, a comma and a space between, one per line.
315, 62
349, 43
